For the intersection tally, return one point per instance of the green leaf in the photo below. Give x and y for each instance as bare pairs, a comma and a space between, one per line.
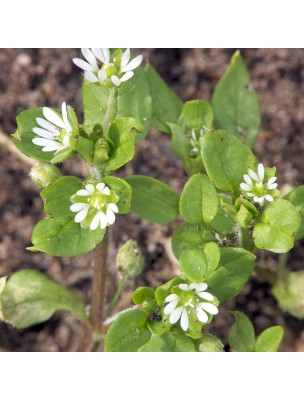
26, 121
196, 114
189, 236
56, 197
153, 200
169, 342
241, 335
235, 103
163, 291
234, 269
270, 339
63, 237
167, 105
145, 297
128, 332
209, 343
181, 148
199, 201
122, 134
296, 197
132, 99
29, 298
223, 224
276, 227
226, 159
198, 264
123, 191
289, 292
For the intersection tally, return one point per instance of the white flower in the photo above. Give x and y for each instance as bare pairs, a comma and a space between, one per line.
95, 205
255, 187
54, 132
180, 306
98, 66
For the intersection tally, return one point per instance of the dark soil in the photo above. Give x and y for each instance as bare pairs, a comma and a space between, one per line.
38, 77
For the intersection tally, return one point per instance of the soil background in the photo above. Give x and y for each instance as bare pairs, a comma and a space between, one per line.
39, 77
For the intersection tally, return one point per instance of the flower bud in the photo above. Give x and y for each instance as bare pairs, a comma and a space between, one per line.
209, 343
44, 174
130, 259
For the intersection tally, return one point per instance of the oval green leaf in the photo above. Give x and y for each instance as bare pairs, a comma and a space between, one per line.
270, 339
277, 226
153, 200
296, 197
241, 336
169, 342
196, 114
29, 297
235, 103
199, 201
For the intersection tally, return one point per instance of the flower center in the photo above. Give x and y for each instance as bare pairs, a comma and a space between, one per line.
110, 70
98, 201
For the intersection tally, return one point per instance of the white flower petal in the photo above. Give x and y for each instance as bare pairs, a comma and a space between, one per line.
250, 194
115, 80
43, 133
100, 187
81, 215
110, 216
172, 297
201, 315
113, 207
248, 180
64, 112
193, 286
47, 143
261, 171
268, 197
256, 199
99, 54
106, 191
103, 220
253, 175
206, 296
89, 76
46, 125
200, 287
184, 286
90, 188
126, 76
106, 55
272, 186
102, 75
175, 316
245, 187
78, 206
261, 199
210, 308
184, 320
95, 221
51, 116
125, 59
133, 64
171, 307
89, 56
84, 65
83, 192
271, 180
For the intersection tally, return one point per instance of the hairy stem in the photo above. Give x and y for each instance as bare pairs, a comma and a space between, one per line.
99, 282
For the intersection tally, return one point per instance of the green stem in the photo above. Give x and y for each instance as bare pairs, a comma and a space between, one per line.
283, 258
245, 239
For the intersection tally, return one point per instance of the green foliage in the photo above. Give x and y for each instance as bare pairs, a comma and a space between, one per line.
29, 298
128, 332
169, 342
209, 343
153, 200
235, 103
190, 236
296, 197
199, 201
270, 339
132, 100
166, 104
196, 114
276, 227
123, 190
289, 292
241, 335
226, 159
198, 264
234, 269
122, 133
